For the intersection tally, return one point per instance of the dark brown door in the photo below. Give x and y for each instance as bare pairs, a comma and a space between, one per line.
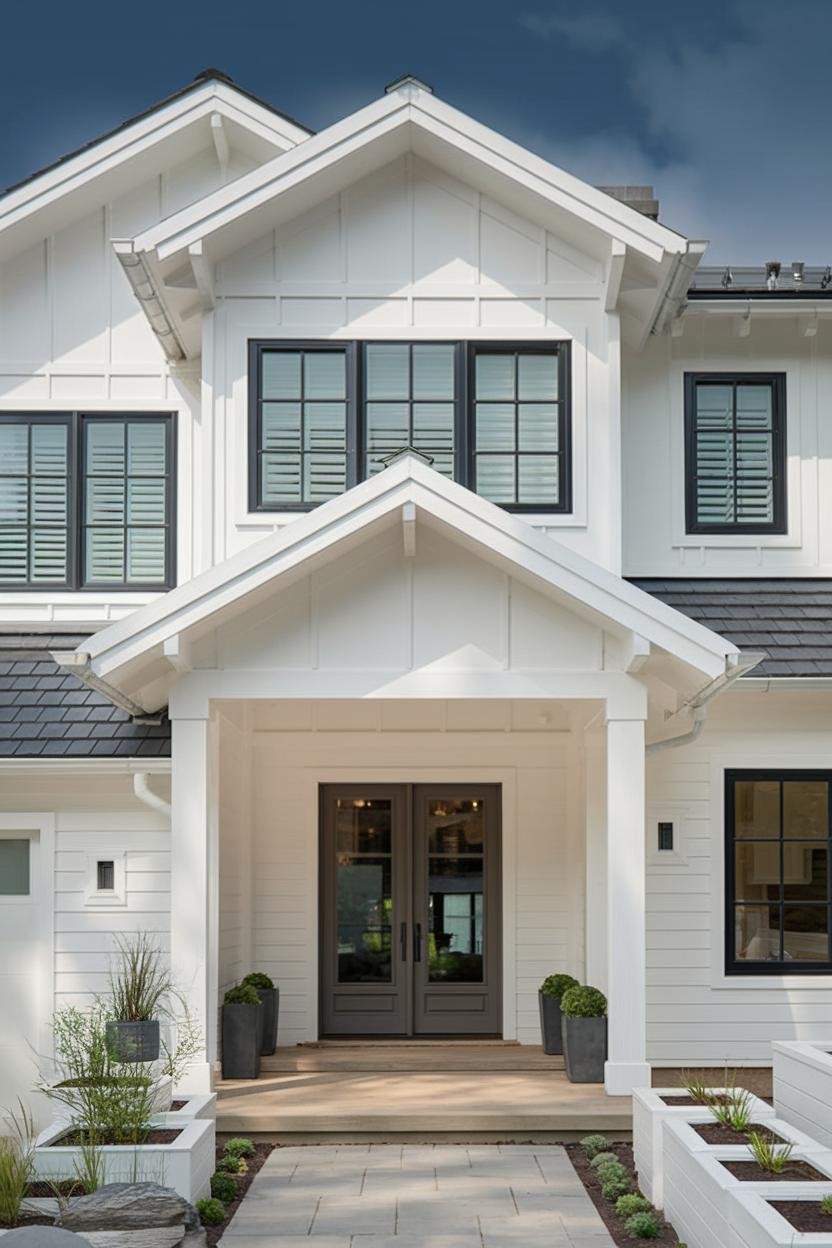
410, 922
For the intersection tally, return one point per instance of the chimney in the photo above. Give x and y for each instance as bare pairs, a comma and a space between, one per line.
641, 198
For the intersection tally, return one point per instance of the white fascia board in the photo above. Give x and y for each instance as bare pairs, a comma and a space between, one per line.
490, 532
436, 118
101, 157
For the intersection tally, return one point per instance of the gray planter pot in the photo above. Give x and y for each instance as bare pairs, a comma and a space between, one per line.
133, 1042
242, 1029
585, 1049
271, 1008
550, 1023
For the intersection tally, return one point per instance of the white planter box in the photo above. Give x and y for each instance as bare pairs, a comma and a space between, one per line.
700, 1194
186, 1164
757, 1225
197, 1105
803, 1086
163, 1097
649, 1114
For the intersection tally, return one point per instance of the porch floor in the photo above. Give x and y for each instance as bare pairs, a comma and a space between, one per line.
403, 1091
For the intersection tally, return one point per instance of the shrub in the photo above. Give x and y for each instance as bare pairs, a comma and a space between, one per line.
614, 1187
258, 979
584, 1001
593, 1145
239, 1147
223, 1187
613, 1170
140, 985
642, 1226
556, 985
242, 994
229, 1164
212, 1212
632, 1203
826, 1204
603, 1159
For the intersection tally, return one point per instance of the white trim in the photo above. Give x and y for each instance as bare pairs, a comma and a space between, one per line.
114, 898
677, 813
40, 825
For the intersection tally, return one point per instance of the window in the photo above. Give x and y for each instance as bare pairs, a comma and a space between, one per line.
105, 875
14, 867
735, 436
494, 417
777, 872
86, 501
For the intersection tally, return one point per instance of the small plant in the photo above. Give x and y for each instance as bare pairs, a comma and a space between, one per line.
230, 1164
212, 1211
614, 1187
593, 1145
612, 1170
632, 1203
826, 1204
769, 1156
584, 1001
89, 1167
242, 994
556, 985
642, 1225
696, 1088
223, 1188
258, 979
16, 1164
140, 985
239, 1147
600, 1160
735, 1111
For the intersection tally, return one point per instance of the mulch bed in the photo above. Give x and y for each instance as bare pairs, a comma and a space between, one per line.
715, 1133
722, 1099
795, 1172
174, 1105
804, 1215
159, 1135
243, 1181
29, 1219
667, 1237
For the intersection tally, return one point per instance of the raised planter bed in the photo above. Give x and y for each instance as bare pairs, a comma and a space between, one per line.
803, 1086
193, 1105
180, 1155
651, 1108
762, 1221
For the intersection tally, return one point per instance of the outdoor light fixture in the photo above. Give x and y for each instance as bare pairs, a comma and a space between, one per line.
665, 836
772, 273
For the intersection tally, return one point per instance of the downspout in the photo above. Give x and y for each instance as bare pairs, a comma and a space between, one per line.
697, 705
144, 793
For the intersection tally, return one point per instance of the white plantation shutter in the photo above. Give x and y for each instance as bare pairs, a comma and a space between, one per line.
410, 400
34, 501
126, 492
518, 434
736, 442
301, 444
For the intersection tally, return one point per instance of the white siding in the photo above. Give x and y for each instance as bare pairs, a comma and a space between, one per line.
234, 796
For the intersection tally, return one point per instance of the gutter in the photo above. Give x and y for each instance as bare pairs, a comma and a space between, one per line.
676, 294
697, 706
78, 664
145, 794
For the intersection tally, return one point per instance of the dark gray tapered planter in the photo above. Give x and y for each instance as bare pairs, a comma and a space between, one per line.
550, 1023
242, 1030
271, 1009
585, 1049
133, 1042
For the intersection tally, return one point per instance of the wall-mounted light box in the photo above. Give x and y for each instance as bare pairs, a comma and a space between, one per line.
665, 838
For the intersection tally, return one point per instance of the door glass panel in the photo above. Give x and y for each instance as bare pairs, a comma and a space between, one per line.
364, 890
456, 868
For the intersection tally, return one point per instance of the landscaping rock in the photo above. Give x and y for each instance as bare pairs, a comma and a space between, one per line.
149, 1237
130, 1207
43, 1237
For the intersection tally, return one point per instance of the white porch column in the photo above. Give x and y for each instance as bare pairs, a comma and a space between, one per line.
194, 855
626, 1066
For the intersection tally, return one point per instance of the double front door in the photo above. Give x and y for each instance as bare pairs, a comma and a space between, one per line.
410, 910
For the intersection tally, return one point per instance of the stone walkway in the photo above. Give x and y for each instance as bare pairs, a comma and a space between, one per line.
417, 1196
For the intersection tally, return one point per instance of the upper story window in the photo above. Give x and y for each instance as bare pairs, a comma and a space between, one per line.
735, 440
778, 842
494, 417
86, 501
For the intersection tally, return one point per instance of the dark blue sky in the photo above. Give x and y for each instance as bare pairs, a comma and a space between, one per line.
722, 105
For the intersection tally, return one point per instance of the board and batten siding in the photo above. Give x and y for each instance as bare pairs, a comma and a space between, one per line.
696, 1014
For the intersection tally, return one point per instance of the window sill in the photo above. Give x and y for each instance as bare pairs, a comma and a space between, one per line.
748, 541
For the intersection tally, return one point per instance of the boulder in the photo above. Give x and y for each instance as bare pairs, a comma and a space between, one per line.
43, 1237
130, 1207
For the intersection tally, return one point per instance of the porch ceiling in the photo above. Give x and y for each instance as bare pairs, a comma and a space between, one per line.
141, 658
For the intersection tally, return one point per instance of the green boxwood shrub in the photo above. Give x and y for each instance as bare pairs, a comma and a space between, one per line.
223, 1187
642, 1226
229, 1164
242, 994
632, 1203
584, 1001
593, 1145
614, 1186
212, 1212
603, 1159
556, 985
239, 1147
613, 1170
259, 979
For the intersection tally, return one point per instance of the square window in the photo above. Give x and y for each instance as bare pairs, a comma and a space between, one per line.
15, 867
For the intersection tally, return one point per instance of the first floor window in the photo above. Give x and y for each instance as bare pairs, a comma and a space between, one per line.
492, 416
777, 871
735, 434
86, 501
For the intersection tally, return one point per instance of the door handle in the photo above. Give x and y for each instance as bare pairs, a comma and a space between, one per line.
417, 942
403, 939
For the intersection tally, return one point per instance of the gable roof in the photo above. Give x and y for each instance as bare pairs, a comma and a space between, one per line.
129, 656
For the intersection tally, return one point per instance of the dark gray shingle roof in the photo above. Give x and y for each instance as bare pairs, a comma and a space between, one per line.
790, 621
47, 713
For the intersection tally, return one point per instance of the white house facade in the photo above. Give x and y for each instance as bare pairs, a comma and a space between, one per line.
415, 580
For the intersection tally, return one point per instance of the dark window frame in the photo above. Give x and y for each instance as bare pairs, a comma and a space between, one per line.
777, 382
464, 430
76, 422
735, 966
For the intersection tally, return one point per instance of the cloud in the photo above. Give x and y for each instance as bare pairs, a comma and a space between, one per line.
593, 33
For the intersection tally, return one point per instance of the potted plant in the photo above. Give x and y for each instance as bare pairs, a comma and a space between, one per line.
584, 1011
241, 1032
270, 996
549, 995
139, 988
